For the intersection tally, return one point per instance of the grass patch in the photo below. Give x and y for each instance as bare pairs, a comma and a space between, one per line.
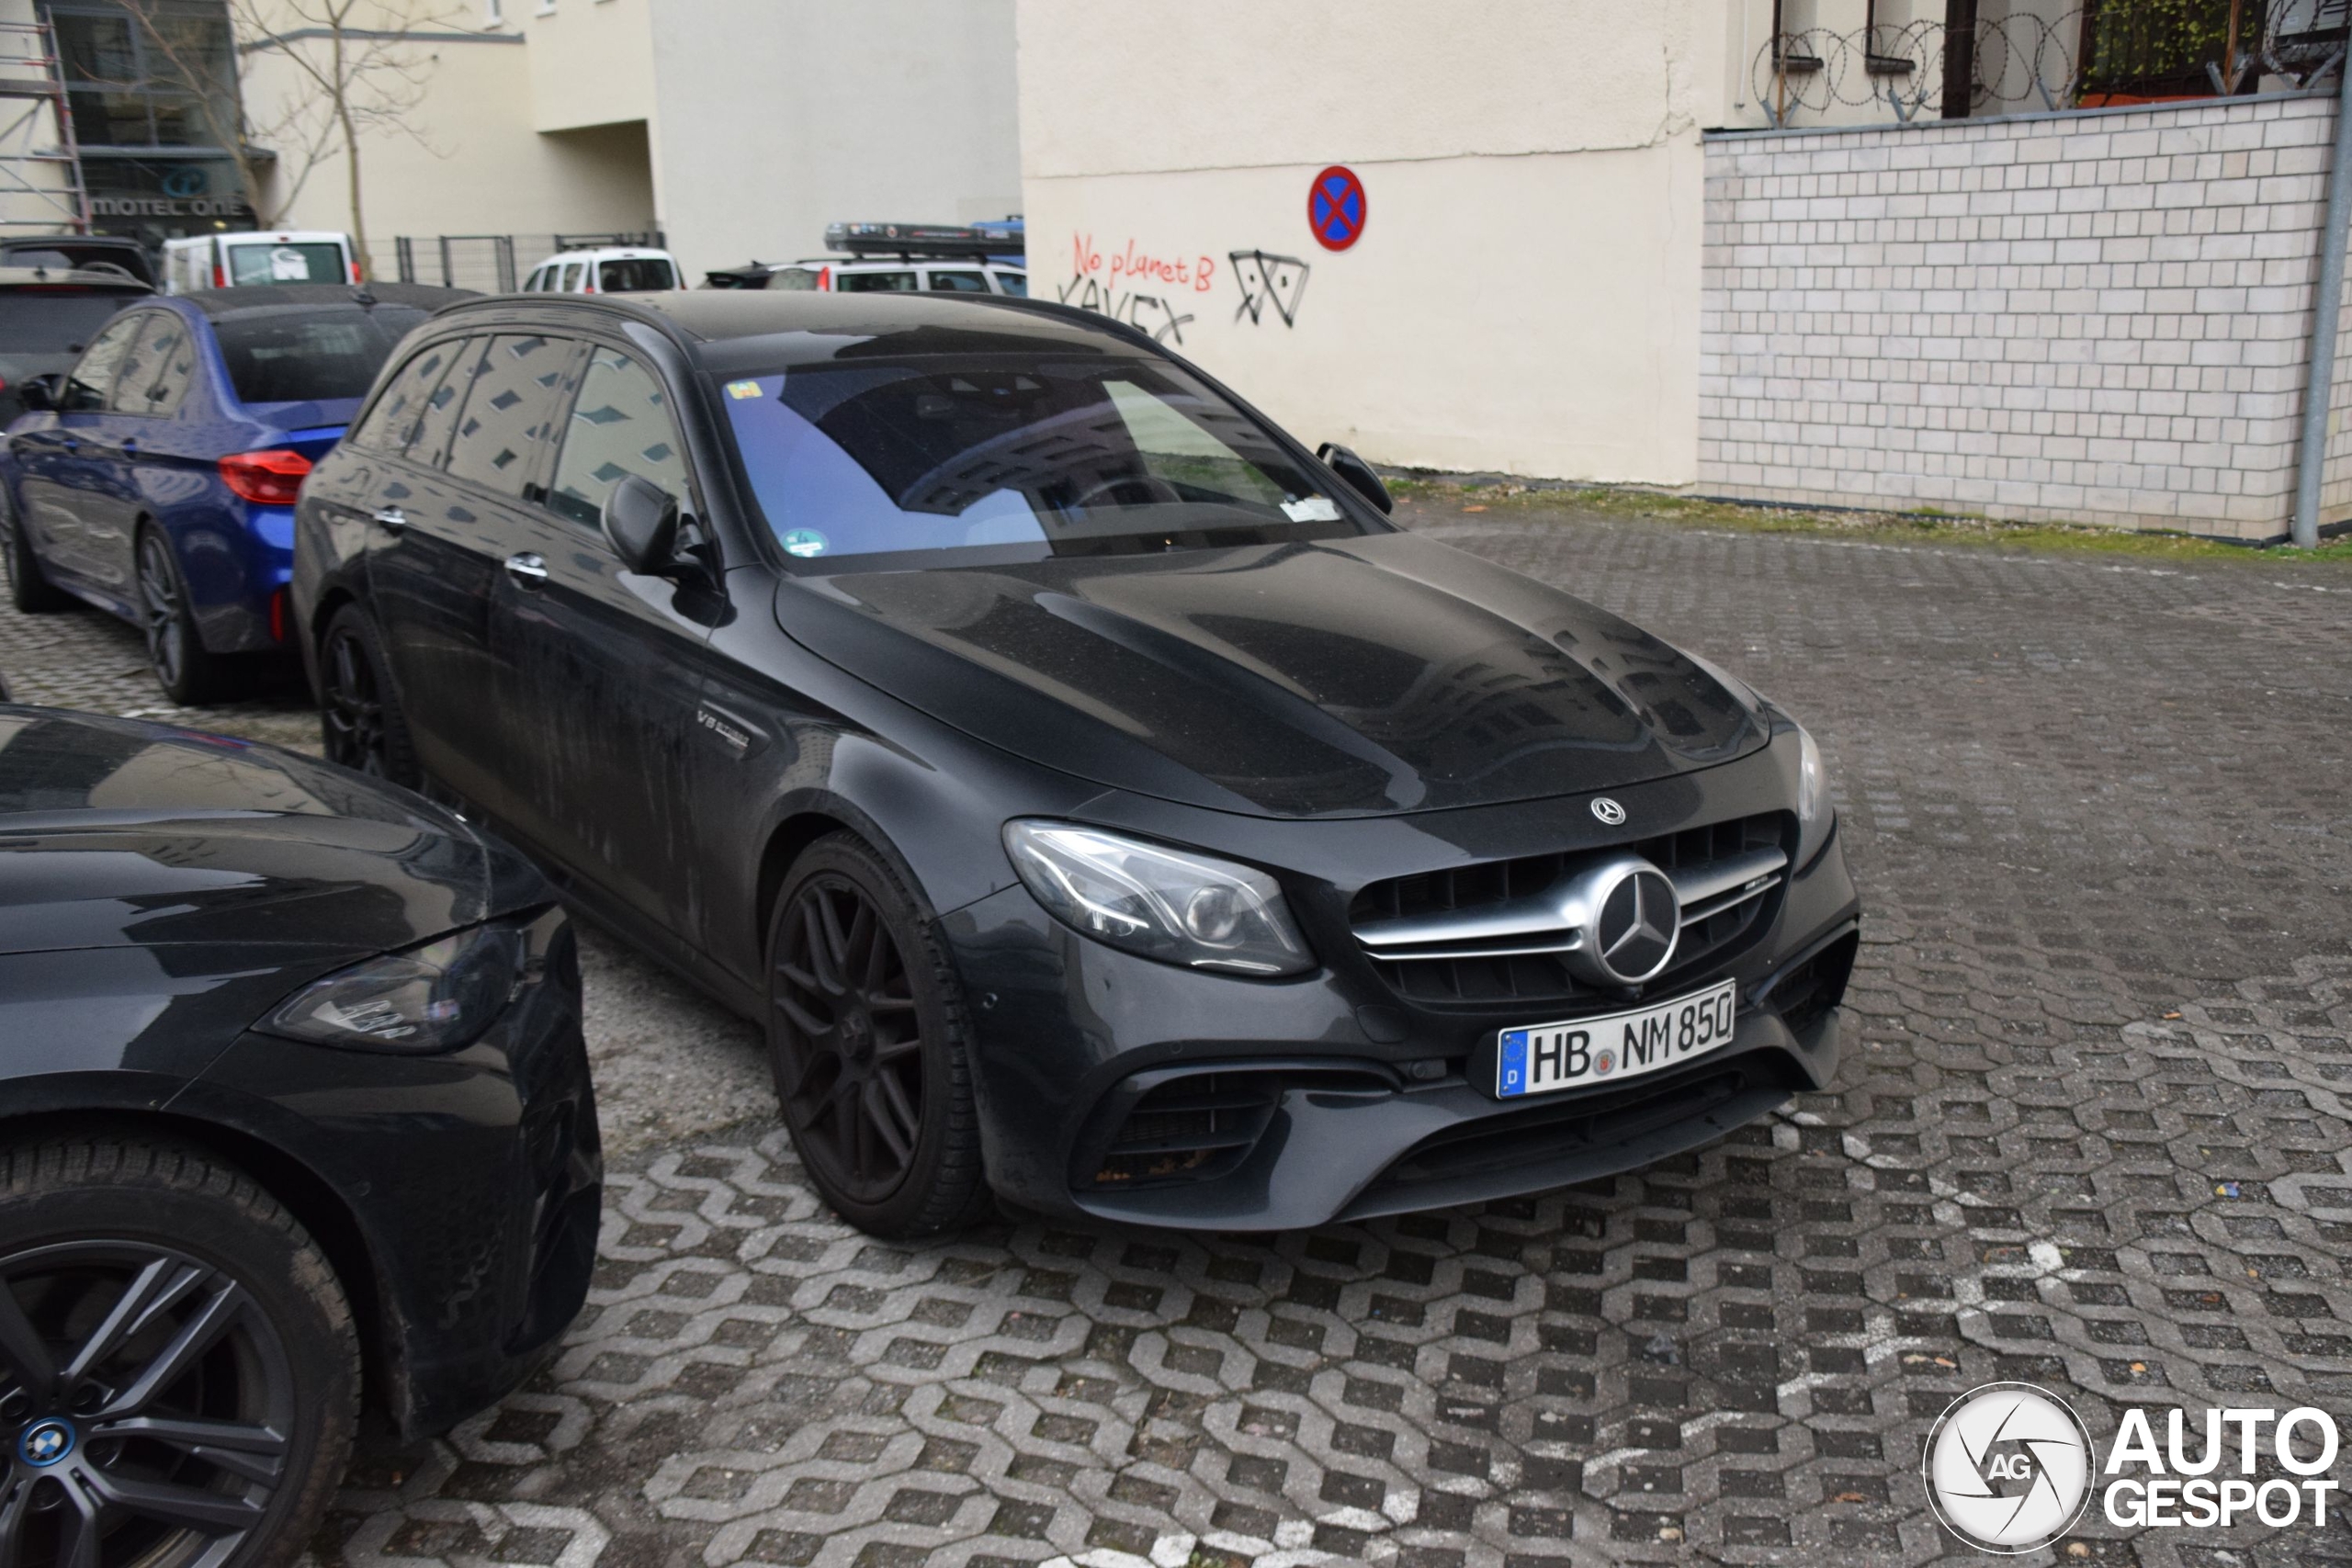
1915, 529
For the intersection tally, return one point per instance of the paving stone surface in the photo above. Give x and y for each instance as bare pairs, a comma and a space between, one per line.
2093, 1131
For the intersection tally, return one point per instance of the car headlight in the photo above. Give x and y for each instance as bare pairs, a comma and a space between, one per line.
1161, 903
434, 997
1815, 814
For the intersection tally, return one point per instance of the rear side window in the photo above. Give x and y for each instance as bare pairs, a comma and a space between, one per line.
292, 354
391, 421
439, 419
56, 321
314, 263
641, 275
958, 282
1013, 283
93, 379
620, 424
163, 338
510, 415
874, 283
174, 367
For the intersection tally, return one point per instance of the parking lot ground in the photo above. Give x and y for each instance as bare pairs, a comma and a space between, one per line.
2093, 1131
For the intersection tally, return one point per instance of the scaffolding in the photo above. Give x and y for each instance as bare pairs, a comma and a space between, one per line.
40, 164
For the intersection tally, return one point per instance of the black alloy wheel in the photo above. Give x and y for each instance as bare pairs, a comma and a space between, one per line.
178, 1374
29, 589
360, 722
866, 1038
188, 673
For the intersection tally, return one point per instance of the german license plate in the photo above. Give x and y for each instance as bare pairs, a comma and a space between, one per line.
1543, 1057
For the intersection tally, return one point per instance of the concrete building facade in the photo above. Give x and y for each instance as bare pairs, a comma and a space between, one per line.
733, 127
1727, 245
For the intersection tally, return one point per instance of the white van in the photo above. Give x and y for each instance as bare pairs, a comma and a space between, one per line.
614, 269
241, 261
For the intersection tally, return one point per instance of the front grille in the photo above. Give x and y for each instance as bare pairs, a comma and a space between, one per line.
1478, 931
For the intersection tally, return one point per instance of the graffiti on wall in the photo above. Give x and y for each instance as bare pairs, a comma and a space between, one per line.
1149, 313
1268, 281
1098, 278
1105, 283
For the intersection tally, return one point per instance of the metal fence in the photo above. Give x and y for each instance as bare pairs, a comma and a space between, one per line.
493, 263
2103, 52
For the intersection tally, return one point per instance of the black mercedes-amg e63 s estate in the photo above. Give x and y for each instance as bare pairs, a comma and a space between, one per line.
1095, 796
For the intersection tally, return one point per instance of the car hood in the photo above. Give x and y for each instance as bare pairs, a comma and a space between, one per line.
116, 833
1355, 677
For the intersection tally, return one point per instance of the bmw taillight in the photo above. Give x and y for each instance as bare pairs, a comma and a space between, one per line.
273, 477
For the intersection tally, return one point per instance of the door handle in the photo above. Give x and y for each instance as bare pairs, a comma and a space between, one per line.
528, 569
392, 517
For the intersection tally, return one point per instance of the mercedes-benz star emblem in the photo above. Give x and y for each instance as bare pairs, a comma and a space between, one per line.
1608, 810
1627, 919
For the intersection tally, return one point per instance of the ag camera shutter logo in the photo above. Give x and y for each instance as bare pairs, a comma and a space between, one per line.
2008, 1468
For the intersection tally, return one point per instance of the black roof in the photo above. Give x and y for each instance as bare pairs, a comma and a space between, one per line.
805, 326
218, 303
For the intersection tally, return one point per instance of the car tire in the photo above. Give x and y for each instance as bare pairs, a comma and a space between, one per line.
29, 589
190, 673
90, 1224
360, 722
868, 1040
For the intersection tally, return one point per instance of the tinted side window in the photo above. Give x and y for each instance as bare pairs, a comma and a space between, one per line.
510, 416
136, 372
438, 418
958, 282
391, 421
146, 383
174, 367
1013, 283
621, 424
93, 379
874, 283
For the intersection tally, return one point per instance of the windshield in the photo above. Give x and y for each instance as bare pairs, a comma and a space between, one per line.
1015, 458
298, 354
251, 265
639, 274
56, 321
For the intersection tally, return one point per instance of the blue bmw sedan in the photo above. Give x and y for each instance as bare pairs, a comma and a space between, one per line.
156, 479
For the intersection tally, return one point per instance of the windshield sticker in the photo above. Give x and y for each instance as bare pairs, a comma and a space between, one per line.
742, 388
803, 542
1314, 509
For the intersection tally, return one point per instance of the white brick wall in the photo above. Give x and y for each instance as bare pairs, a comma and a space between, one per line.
2100, 317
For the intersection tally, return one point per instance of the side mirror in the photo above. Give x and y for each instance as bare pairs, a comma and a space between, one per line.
39, 391
640, 522
1357, 472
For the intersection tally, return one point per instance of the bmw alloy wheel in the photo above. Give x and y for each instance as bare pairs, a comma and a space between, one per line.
146, 1408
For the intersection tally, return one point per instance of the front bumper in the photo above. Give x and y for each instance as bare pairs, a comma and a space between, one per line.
1339, 1099
475, 1178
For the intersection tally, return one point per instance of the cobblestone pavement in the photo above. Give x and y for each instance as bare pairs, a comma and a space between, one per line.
2093, 1131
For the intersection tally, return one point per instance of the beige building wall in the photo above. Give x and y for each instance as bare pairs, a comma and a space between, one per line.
779, 117
503, 139
1525, 294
